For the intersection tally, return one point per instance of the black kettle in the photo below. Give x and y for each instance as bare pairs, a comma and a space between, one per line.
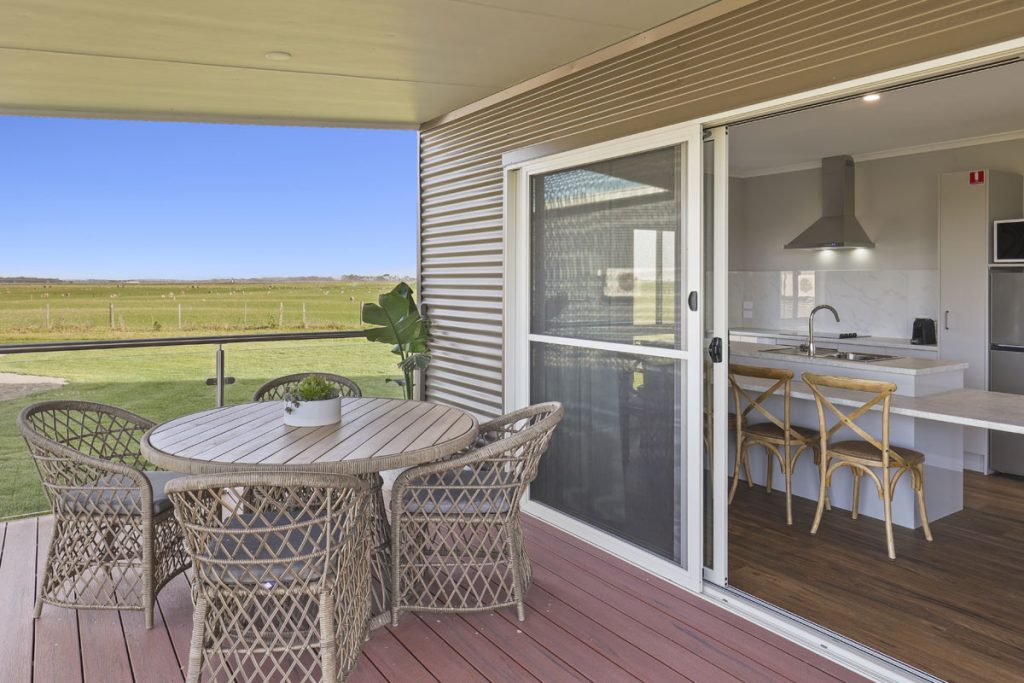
924, 331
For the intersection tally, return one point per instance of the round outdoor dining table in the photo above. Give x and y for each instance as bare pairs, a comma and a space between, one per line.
374, 435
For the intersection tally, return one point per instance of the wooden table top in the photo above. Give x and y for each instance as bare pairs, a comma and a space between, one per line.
375, 434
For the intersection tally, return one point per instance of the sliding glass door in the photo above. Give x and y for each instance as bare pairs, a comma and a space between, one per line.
612, 330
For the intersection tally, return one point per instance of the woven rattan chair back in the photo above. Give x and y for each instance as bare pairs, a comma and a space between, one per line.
281, 579
275, 389
110, 548
456, 539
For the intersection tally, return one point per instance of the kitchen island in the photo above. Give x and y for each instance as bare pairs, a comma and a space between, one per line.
924, 417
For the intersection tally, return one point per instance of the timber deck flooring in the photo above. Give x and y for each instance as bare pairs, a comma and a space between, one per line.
589, 617
953, 607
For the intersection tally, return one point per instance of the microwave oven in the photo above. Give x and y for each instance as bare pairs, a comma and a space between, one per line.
1008, 241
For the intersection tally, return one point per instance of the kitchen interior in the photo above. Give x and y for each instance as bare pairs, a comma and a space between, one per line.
892, 225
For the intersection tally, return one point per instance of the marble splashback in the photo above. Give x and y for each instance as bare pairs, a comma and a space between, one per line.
882, 303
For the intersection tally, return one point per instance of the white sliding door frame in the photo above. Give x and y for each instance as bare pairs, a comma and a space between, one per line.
518, 337
718, 572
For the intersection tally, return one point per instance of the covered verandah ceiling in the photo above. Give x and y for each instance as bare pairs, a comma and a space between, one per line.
380, 63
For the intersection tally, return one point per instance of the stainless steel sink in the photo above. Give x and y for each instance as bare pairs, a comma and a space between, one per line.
800, 351
832, 354
856, 356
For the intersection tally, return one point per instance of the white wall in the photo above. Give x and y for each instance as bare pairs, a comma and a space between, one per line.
878, 291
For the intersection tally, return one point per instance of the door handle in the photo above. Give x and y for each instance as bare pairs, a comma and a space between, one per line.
691, 301
946, 321
715, 350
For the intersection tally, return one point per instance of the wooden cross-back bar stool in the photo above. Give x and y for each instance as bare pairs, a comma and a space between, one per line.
864, 456
778, 436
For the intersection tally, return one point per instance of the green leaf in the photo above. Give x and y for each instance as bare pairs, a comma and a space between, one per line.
398, 321
415, 361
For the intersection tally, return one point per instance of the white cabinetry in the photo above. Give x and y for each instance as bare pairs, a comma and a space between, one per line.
966, 212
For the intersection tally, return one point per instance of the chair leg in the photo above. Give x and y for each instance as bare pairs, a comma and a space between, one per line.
736, 471
328, 658
770, 469
148, 594
195, 649
396, 581
517, 575
855, 508
919, 485
887, 502
789, 492
823, 476
38, 611
746, 466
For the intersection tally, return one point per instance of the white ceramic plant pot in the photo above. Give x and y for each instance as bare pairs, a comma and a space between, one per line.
313, 413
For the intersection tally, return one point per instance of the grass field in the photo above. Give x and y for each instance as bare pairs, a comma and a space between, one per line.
161, 383
82, 310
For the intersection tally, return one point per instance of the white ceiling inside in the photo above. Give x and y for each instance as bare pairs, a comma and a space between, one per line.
388, 63
983, 103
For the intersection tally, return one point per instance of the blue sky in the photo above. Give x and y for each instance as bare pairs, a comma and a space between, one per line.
131, 199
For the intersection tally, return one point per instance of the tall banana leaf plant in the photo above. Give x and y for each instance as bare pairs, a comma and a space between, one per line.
400, 324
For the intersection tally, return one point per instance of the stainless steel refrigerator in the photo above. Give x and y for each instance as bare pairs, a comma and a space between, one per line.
1006, 360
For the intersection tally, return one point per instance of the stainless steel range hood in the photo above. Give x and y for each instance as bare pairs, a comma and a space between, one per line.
838, 227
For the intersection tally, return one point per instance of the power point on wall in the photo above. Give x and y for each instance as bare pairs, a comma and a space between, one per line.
748, 314
748, 305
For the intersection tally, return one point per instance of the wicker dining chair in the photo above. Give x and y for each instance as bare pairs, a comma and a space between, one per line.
456, 539
867, 453
281, 579
275, 389
115, 542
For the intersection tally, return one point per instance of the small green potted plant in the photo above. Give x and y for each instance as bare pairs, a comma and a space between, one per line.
314, 402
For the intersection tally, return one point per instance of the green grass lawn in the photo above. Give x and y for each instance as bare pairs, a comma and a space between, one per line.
162, 383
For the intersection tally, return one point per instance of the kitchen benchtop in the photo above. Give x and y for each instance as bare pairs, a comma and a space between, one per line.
967, 407
796, 335
897, 366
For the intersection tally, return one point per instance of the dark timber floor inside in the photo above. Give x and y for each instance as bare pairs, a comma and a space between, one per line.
589, 617
953, 607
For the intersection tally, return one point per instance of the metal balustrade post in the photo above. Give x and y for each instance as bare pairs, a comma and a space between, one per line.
220, 376
219, 380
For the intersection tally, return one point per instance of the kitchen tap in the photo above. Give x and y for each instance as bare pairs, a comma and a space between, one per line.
810, 326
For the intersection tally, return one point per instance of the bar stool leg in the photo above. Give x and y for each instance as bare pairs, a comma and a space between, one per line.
887, 502
918, 474
740, 447
824, 476
857, 474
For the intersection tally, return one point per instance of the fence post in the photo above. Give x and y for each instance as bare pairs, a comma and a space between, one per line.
303, 315
280, 316
111, 315
48, 326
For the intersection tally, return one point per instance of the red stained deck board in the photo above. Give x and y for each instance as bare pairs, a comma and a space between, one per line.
590, 616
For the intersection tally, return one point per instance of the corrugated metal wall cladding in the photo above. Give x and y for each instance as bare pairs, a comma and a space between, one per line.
737, 48
728, 33
692, 81
762, 51
462, 244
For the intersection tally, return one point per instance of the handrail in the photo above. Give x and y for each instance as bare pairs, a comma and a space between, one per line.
91, 345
